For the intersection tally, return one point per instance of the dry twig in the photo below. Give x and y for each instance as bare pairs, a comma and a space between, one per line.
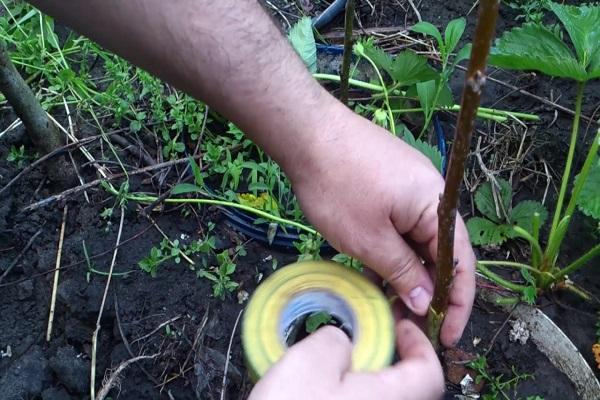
56, 274
112, 380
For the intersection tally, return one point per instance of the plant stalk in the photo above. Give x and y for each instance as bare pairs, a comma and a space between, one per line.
567, 172
345, 72
447, 210
580, 262
515, 287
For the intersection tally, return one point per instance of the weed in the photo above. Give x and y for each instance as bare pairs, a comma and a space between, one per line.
309, 247
173, 250
493, 200
17, 155
530, 10
220, 276
498, 386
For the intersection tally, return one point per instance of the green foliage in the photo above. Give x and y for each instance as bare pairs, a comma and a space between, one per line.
309, 247
498, 386
303, 40
348, 261
425, 148
589, 199
220, 276
17, 155
536, 47
405, 69
531, 10
173, 250
316, 320
497, 226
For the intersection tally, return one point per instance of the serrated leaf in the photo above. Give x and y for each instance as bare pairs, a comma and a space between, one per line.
377, 55
427, 28
303, 40
426, 94
589, 199
429, 151
453, 33
484, 200
522, 214
484, 232
535, 47
185, 188
583, 25
409, 68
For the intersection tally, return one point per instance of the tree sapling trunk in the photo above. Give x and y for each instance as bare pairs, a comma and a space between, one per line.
44, 135
345, 72
475, 79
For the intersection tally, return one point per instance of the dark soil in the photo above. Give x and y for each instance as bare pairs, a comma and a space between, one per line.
175, 313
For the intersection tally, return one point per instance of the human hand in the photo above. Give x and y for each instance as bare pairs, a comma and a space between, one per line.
375, 198
318, 368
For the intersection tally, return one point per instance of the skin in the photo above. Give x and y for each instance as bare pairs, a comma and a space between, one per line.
371, 195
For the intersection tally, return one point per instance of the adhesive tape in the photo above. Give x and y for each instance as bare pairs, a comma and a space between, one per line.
294, 292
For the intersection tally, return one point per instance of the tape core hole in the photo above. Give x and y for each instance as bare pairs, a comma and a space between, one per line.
292, 324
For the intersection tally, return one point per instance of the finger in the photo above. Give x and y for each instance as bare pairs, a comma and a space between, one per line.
400, 266
418, 376
327, 352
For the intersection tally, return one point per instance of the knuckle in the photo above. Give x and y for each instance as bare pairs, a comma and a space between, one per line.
402, 269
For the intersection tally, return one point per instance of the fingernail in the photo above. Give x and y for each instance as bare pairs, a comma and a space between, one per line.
419, 299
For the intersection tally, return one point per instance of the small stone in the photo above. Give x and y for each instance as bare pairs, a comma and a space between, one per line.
242, 296
519, 332
27, 377
25, 290
55, 393
71, 370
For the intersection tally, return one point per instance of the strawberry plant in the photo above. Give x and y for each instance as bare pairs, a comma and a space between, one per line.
537, 47
493, 200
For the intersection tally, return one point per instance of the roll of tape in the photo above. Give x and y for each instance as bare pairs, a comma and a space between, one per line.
296, 291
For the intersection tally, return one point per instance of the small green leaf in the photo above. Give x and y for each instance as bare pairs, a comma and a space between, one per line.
429, 29
303, 40
409, 68
589, 199
529, 295
315, 320
426, 93
522, 214
382, 59
484, 200
453, 33
484, 232
198, 178
425, 148
535, 47
463, 54
182, 188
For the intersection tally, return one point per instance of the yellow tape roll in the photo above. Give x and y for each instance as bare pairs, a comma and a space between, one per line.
300, 289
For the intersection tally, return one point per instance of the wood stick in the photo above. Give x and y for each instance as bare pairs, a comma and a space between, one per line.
345, 72
56, 274
447, 209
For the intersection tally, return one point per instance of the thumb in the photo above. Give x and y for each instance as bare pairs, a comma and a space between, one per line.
401, 267
328, 352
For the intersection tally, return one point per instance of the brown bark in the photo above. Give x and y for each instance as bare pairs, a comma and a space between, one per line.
345, 72
475, 79
44, 135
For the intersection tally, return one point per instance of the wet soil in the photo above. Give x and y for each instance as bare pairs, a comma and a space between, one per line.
176, 316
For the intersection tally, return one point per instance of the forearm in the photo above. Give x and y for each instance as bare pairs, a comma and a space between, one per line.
227, 53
